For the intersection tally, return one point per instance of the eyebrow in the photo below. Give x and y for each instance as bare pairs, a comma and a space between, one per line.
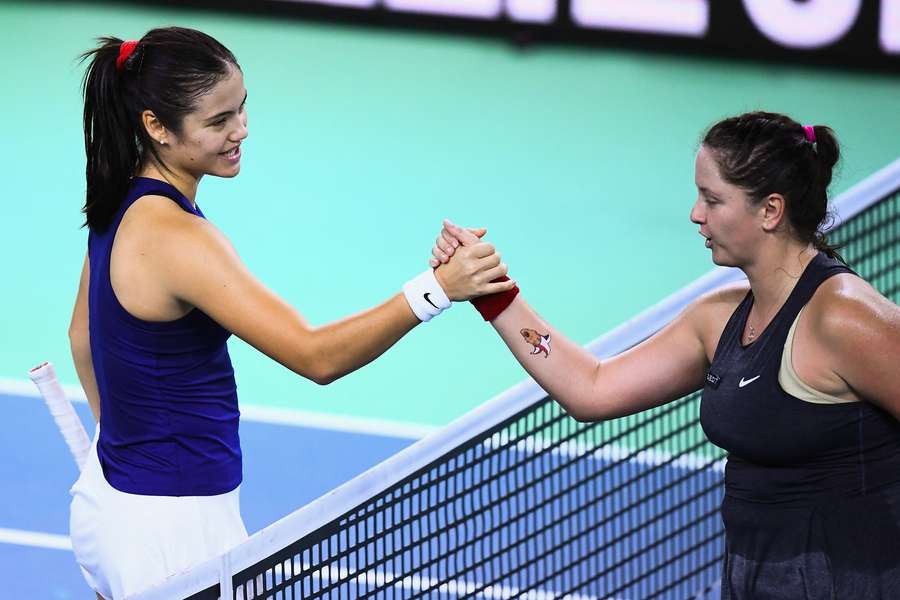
225, 113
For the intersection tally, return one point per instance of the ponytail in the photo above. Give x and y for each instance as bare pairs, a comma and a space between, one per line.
111, 135
166, 72
826, 154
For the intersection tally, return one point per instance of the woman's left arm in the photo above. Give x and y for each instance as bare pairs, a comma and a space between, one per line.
859, 330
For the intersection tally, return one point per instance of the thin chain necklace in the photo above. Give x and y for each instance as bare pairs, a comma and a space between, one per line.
751, 335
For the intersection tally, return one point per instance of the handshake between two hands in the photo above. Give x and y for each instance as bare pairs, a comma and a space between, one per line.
467, 267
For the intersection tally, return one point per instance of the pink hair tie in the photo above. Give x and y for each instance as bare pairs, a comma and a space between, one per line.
810, 131
125, 50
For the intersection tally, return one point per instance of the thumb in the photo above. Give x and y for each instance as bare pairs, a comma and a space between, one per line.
465, 237
478, 231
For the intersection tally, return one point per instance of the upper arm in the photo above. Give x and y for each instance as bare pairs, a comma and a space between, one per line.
78, 326
859, 331
670, 364
202, 269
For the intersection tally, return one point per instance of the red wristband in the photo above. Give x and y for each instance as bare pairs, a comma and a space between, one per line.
492, 305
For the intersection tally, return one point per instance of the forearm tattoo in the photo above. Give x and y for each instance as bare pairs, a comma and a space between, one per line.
539, 342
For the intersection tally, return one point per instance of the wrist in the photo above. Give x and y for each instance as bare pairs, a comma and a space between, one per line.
425, 296
492, 305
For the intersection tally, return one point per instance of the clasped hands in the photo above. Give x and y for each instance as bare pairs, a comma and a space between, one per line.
465, 266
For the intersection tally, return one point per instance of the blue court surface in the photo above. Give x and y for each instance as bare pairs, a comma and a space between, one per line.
288, 465
285, 466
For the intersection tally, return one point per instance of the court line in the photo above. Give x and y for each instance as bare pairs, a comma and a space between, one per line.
36, 539
271, 416
413, 583
609, 453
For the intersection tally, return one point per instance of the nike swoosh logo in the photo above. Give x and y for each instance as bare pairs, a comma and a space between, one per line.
428, 300
742, 383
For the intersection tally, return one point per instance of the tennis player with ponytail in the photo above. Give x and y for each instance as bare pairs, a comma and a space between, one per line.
160, 293
800, 371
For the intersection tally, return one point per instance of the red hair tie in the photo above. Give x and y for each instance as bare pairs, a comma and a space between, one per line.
125, 50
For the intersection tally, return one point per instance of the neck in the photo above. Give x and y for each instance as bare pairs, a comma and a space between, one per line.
183, 182
775, 271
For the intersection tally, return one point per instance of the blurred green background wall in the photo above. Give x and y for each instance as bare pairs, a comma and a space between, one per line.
579, 161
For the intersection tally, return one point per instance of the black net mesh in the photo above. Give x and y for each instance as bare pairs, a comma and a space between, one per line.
542, 506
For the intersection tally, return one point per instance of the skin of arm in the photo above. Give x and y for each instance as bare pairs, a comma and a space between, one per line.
663, 368
195, 264
667, 366
857, 332
80, 342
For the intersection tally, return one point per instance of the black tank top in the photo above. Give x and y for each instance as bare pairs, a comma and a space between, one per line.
783, 449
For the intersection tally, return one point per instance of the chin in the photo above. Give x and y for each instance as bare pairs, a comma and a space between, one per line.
226, 174
723, 260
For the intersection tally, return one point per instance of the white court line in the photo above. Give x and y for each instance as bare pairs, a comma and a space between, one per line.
36, 539
272, 416
328, 574
608, 452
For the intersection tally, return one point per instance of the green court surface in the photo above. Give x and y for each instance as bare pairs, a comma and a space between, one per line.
579, 161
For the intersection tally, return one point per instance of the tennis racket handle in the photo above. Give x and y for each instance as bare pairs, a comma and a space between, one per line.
44, 376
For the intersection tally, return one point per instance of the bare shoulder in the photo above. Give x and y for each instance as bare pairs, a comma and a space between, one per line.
715, 307
847, 305
171, 229
709, 313
857, 334
176, 249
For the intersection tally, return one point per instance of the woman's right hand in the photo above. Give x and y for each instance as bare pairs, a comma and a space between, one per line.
471, 271
446, 243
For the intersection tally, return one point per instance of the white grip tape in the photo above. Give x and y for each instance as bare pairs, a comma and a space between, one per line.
425, 295
63, 413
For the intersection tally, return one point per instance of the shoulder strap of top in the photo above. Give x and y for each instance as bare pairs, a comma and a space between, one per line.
819, 269
145, 186
734, 327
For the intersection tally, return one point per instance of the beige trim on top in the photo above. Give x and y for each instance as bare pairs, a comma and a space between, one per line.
791, 382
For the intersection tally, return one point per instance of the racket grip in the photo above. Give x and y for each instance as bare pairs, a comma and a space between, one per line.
44, 376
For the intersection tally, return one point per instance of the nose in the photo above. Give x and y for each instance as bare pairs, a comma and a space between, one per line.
697, 215
241, 132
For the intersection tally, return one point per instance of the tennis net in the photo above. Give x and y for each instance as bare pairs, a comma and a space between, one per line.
516, 499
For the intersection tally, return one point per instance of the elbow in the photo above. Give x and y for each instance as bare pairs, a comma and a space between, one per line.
320, 372
79, 340
581, 415
591, 410
323, 378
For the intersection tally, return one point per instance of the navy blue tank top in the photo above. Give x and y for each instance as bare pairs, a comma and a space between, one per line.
783, 449
169, 411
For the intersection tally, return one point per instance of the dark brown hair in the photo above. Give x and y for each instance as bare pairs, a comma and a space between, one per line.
765, 153
168, 71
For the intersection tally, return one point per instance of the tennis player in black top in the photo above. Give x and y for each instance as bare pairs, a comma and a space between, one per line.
799, 366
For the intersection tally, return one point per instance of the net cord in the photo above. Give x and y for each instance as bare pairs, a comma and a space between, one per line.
347, 496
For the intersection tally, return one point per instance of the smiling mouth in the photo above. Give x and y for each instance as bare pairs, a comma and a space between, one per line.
233, 153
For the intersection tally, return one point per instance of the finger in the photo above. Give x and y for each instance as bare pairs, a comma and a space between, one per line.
449, 239
499, 271
478, 231
465, 236
434, 263
439, 254
500, 286
483, 249
486, 263
444, 246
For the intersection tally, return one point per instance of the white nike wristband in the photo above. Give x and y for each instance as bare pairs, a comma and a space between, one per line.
425, 296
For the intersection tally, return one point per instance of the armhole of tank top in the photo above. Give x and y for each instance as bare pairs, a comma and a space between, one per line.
791, 383
112, 290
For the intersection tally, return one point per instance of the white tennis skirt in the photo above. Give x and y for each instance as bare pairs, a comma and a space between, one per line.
126, 543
